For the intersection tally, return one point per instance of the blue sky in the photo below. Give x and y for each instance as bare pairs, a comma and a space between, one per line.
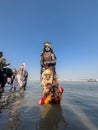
70, 25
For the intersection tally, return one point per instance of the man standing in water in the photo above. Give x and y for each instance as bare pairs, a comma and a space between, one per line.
52, 91
20, 74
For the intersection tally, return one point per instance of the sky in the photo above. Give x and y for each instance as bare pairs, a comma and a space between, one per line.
70, 25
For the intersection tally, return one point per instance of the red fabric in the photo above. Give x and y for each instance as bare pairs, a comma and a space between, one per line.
42, 100
62, 90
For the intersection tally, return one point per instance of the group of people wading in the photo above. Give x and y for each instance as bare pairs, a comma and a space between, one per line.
51, 90
14, 77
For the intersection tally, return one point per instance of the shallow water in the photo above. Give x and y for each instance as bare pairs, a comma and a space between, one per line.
78, 110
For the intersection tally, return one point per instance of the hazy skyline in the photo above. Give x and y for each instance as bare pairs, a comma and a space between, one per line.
70, 25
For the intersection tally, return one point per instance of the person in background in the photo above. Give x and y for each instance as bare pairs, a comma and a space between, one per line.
13, 81
3, 75
25, 78
20, 74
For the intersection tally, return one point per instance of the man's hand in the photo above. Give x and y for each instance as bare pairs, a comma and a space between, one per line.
7, 64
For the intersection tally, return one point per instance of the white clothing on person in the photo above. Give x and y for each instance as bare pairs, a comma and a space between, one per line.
20, 75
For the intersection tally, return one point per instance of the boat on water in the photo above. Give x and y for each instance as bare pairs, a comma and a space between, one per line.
92, 80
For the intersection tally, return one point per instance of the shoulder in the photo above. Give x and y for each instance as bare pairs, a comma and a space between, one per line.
53, 55
2, 59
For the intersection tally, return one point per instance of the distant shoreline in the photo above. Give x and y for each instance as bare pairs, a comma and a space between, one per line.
87, 80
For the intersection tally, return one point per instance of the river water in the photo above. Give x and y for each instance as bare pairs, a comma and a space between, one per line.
78, 109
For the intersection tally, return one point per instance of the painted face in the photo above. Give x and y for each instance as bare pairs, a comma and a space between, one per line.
47, 48
47, 77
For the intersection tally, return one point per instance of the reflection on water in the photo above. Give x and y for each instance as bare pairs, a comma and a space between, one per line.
79, 108
14, 120
52, 118
13, 113
12, 116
